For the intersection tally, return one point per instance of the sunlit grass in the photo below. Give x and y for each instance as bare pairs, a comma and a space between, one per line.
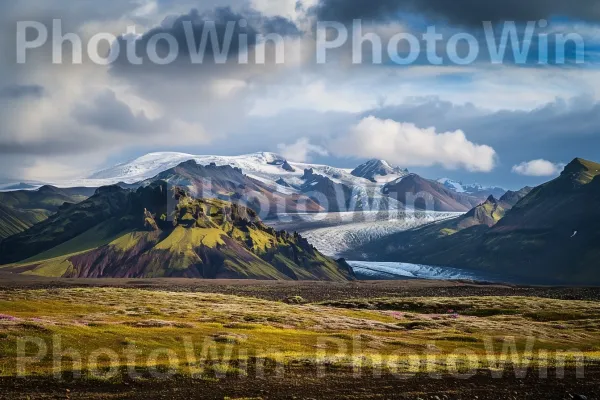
387, 333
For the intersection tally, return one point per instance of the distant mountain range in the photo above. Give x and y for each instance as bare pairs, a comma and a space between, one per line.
126, 234
18, 186
549, 234
21, 209
359, 189
473, 189
13, 221
376, 184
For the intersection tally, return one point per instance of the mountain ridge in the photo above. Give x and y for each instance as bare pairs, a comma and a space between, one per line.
428, 195
551, 235
207, 238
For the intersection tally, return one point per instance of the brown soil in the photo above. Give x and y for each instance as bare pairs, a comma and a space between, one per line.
299, 384
311, 291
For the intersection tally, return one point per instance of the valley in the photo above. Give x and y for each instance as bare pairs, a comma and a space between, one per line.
299, 200
175, 338
376, 213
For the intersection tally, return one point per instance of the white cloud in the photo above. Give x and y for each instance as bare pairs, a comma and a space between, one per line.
410, 146
538, 168
223, 88
301, 150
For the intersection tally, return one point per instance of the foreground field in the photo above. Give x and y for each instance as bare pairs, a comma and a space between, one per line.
137, 343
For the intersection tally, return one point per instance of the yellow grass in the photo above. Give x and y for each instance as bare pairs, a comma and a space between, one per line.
393, 331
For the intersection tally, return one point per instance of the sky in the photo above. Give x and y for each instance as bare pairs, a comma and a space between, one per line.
509, 124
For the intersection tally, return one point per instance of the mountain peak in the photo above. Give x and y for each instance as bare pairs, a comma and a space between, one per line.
109, 189
491, 199
581, 171
377, 170
270, 158
472, 189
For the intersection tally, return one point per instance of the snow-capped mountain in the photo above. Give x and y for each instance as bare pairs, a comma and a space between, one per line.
261, 166
379, 171
269, 168
473, 189
363, 188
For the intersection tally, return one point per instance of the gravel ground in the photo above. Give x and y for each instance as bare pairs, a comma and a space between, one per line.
299, 384
312, 291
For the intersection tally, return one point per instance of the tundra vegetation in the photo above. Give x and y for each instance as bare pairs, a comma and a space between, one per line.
114, 331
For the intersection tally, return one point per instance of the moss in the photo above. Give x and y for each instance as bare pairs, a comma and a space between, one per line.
13, 221
98, 236
448, 231
127, 241
185, 240
57, 267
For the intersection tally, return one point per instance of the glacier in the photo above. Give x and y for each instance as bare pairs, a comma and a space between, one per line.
398, 270
333, 234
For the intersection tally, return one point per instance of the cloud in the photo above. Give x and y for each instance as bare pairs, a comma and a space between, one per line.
460, 12
197, 25
538, 168
242, 109
410, 146
14, 92
109, 113
301, 150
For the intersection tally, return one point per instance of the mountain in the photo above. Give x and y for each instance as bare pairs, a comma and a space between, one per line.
552, 235
511, 198
260, 166
230, 184
272, 171
366, 182
428, 195
473, 189
21, 209
427, 238
127, 234
379, 171
333, 196
13, 221
47, 198
18, 186
68, 223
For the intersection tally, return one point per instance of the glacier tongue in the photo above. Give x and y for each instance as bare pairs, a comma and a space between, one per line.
398, 270
333, 237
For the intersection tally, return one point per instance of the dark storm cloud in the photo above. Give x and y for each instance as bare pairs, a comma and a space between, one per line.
460, 12
66, 145
14, 92
250, 23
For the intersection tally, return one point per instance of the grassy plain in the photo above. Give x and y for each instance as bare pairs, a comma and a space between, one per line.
120, 338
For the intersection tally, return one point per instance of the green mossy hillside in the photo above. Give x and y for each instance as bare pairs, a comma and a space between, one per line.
197, 238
